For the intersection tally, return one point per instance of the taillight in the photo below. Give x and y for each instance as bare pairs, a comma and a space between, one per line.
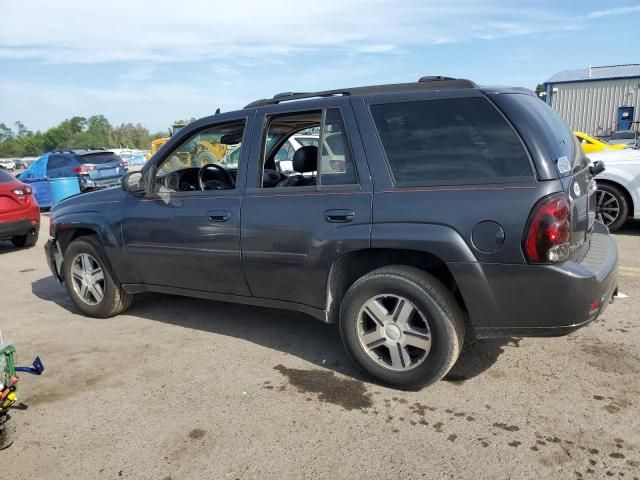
549, 230
124, 164
23, 191
84, 168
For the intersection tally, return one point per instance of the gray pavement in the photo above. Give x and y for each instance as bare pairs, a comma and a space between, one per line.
180, 388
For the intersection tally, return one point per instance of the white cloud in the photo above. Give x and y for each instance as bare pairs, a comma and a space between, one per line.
613, 11
77, 31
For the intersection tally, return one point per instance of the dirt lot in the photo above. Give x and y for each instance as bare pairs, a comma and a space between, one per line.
181, 388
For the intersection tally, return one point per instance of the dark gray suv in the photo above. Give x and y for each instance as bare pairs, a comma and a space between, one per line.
440, 210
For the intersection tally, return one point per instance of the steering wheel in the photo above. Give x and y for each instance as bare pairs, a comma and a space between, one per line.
228, 185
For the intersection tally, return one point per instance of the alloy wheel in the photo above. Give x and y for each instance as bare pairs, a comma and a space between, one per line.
607, 207
394, 332
87, 279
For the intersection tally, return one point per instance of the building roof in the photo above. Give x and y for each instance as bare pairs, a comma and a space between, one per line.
596, 73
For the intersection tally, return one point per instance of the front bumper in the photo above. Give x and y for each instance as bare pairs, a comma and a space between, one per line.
17, 228
54, 258
540, 300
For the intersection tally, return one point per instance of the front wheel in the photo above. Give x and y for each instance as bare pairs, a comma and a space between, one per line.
89, 281
402, 326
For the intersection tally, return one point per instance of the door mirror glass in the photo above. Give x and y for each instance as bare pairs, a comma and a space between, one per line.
132, 182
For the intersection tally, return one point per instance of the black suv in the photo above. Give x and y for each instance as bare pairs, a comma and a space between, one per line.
438, 209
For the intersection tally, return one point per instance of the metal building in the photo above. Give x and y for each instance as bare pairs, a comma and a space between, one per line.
597, 100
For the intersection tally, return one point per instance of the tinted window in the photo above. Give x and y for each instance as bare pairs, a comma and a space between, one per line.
6, 176
58, 161
450, 142
555, 132
99, 158
336, 162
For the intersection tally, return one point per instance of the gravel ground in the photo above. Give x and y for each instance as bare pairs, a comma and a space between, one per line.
181, 388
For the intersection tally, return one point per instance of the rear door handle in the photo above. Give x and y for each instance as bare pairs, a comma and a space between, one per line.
217, 216
339, 216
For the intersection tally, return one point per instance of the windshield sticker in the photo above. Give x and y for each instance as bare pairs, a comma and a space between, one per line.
564, 165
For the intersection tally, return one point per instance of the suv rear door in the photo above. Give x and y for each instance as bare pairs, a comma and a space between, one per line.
292, 235
102, 166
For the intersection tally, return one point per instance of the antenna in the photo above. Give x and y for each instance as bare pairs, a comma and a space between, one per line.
217, 111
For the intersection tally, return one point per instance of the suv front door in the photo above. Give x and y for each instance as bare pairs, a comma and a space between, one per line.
291, 235
176, 234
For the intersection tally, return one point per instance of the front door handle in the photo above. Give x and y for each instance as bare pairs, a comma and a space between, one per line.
339, 216
217, 216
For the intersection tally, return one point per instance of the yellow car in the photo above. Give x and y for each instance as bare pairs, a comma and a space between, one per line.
591, 145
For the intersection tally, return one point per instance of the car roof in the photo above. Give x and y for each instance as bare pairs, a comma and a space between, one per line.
424, 83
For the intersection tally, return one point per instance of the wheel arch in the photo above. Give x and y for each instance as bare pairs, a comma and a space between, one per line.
350, 266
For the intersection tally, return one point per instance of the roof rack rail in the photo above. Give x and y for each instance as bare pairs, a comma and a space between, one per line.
435, 82
288, 96
435, 78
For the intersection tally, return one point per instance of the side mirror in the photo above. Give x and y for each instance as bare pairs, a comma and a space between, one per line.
596, 168
132, 182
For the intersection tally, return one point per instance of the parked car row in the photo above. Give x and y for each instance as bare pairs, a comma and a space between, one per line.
6, 164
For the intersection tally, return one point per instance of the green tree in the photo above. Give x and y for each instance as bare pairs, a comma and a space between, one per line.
5, 133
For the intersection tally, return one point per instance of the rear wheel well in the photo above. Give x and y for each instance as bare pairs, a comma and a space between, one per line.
351, 266
623, 190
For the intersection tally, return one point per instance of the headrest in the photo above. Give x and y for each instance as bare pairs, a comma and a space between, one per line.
306, 159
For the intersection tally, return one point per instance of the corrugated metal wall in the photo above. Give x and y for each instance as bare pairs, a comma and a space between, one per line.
592, 107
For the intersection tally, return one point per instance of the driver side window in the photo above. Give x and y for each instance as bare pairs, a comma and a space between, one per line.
220, 146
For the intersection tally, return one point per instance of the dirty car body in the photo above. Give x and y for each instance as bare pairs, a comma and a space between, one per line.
500, 225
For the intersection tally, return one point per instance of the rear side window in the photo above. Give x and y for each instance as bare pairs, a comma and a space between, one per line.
98, 158
450, 142
6, 176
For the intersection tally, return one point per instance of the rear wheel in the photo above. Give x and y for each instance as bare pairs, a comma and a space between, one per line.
28, 240
89, 280
612, 206
402, 326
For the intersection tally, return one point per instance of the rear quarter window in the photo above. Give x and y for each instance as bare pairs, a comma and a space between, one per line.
450, 142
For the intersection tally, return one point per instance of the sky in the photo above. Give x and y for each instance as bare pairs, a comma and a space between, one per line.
155, 62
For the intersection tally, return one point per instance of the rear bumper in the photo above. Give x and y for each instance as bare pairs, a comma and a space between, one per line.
87, 183
17, 228
540, 300
54, 258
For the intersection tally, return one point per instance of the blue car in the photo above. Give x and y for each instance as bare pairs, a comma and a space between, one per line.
95, 168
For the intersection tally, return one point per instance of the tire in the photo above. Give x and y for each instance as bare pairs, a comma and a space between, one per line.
205, 157
26, 241
8, 432
604, 193
435, 308
88, 251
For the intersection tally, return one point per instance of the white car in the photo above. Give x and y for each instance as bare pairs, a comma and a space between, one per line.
332, 152
8, 165
618, 187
